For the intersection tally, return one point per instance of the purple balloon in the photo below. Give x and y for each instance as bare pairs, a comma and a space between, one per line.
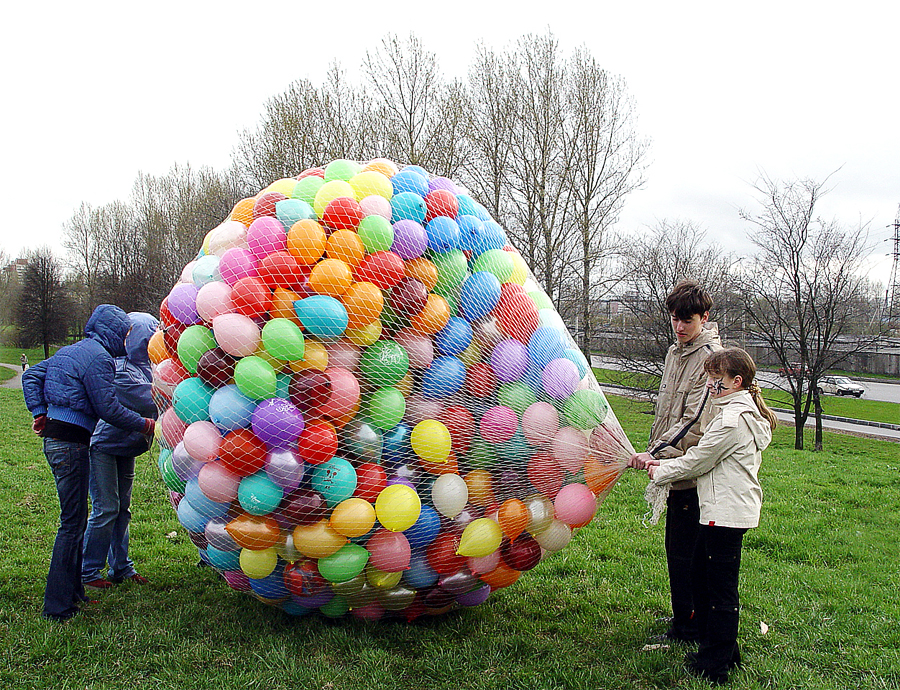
277, 422
560, 378
284, 468
217, 537
410, 239
401, 480
314, 601
475, 597
236, 579
184, 465
182, 302
509, 360
441, 183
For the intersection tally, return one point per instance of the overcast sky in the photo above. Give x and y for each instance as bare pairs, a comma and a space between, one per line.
95, 92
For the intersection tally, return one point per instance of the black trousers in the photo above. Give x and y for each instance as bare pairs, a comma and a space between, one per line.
682, 527
717, 563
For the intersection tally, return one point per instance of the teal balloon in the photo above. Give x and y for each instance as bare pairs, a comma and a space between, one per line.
322, 316
335, 480
289, 211
385, 408
282, 386
255, 378
516, 450
384, 364
191, 400
344, 564
223, 560
258, 494
574, 355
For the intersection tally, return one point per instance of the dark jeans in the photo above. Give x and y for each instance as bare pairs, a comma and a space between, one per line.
106, 537
717, 564
682, 526
70, 465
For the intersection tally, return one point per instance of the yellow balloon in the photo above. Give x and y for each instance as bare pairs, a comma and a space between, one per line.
352, 517
405, 385
285, 186
371, 183
381, 579
520, 269
317, 540
205, 245
315, 356
471, 355
480, 538
366, 335
258, 564
398, 507
430, 440
330, 191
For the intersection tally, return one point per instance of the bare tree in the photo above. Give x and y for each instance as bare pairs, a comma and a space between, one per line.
43, 313
803, 288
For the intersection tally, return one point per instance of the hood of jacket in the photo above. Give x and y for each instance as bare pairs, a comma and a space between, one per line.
708, 334
108, 325
741, 403
143, 326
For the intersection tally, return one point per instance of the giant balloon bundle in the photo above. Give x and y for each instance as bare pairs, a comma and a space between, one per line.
367, 403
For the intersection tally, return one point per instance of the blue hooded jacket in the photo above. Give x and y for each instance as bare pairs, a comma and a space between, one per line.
134, 390
76, 385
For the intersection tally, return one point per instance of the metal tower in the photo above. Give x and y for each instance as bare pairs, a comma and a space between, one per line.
892, 296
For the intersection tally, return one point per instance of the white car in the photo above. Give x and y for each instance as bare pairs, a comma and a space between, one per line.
840, 385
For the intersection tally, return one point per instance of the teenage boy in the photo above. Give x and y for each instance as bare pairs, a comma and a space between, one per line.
677, 427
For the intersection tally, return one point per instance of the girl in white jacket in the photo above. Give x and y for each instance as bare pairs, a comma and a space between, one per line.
726, 465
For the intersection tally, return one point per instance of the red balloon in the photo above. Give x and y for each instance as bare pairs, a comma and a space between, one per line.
318, 443
442, 556
251, 297
523, 553
384, 269
460, 424
518, 315
280, 269
545, 474
265, 204
303, 579
316, 172
303, 507
441, 202
309, 389
242, 453
480, 380
409, 296
343, 213
370, 481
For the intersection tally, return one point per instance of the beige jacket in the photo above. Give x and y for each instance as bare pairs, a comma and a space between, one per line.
677, 423
725, 463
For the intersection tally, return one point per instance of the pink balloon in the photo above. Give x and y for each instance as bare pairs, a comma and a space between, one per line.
419, 348
342, 354
217, 483
575, 505
485, 564
172, 428
201, 441
499, 424
388, 551
236, 334
540, 423
265, 236
570, 448
376, 206
167, 375
237, 263
231, 233
419, 408
214, 299
344, 392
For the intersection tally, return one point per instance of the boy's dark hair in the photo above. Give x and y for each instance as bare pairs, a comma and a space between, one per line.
688, 298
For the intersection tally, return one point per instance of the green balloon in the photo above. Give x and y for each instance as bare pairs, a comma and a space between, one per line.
282, 386
385, 408
255, 378
337, 607
391, 320
517, 396
495, 261
167, 471
283, 339
384, 363
344, 564
541, 300
516, 450
306, 189
258, 494
481, 455
191, 400
376, 233
341, 169
193, 343
452, 268
585, 409
451, 294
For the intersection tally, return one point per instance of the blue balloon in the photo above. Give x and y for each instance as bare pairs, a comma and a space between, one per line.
322, 316
453, 338
419, 575
204, 506
416, 168
289, 211
292, 608
229, 409
470, 228
545, 344
492, 236
335, 480
425, 529
443, 377
410, 180
223, 560
408, 206
190, 518
479, 295
396, 448
575, 355
443, 234
272, 585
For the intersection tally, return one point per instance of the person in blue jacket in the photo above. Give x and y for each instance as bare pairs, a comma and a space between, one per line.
113, 452
67, 394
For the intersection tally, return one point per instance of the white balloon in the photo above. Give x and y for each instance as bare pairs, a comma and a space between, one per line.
449, 494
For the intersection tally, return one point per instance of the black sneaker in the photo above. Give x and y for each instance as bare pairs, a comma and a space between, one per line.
673, 636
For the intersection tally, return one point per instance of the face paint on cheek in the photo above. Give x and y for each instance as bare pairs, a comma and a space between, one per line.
717, 386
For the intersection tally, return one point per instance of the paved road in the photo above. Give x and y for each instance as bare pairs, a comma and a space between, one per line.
15, 381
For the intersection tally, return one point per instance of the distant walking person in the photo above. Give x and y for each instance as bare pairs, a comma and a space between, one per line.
113, 452
24, 360
67, 394
676, 428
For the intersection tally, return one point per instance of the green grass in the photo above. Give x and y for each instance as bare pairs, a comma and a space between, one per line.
821, 571
11, 355
855, 408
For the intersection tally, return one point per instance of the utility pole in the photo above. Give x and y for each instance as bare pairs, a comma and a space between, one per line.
892, 296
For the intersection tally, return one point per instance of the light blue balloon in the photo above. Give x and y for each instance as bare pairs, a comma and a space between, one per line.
335, 480
229, 409
492, 236
223, 560
258, 494
322, 316
204, 505
545, 344
408, 206
411, 179
289, 211
206, 270
419, 575
575, 355
190, 519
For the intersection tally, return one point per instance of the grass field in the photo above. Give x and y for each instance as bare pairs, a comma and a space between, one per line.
822, 572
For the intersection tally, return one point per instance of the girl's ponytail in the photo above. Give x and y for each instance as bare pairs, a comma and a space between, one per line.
764, 410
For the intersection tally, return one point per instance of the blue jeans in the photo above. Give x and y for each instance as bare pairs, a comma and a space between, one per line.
69, 463
106, 537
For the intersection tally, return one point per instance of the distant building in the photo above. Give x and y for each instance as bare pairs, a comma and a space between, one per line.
18, 267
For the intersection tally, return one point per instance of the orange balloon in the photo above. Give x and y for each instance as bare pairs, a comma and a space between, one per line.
255, 532
156, 348
422, 269
283, 305
479, 484
315, 356
448, 467
501, 576
385, 167
306, 241
513, 518
317, 540
243, 210
346, 246
433, 317
363, 302
600, 476
331, 277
